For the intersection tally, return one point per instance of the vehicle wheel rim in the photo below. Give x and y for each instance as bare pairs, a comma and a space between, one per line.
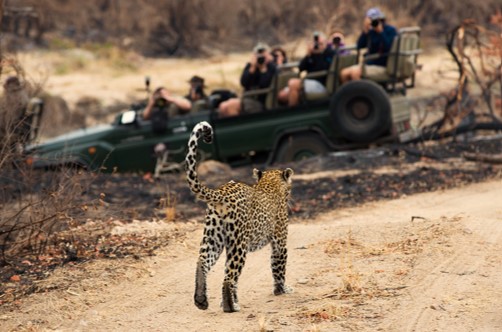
359, 109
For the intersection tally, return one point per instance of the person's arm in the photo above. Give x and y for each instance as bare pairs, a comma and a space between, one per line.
388, 34
181, 102
329, 53
267, 76
148, 108
247, 77
304, 64
362, 41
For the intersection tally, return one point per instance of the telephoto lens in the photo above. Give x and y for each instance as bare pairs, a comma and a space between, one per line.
316, 41
374, 23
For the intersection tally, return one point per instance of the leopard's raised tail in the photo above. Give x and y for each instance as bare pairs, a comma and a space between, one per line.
202, 192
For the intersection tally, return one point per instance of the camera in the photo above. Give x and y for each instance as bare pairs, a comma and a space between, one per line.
374, 23
336, 40
198, 90
160, 102
316, 41
260, 59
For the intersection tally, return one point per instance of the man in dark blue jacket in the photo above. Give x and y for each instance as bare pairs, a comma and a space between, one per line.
377, 36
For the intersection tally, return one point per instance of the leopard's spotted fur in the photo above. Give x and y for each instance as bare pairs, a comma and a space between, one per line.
240, 218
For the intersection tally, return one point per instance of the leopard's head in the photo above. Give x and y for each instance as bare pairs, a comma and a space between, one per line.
275, 181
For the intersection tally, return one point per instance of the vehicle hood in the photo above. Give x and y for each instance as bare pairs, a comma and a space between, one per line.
80, 135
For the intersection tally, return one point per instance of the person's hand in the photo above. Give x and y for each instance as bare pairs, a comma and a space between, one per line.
268, 58
253, 63
165, 94
310, 48
366, 24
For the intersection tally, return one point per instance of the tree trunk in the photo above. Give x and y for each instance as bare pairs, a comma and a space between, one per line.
1, 22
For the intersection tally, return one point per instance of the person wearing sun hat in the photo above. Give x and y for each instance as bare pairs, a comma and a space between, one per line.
196, 94
196, 91
377, 36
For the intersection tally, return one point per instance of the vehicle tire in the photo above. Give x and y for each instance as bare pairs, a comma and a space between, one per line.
300, 146
360, 111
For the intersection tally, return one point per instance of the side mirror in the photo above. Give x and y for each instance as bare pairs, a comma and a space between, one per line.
128, 117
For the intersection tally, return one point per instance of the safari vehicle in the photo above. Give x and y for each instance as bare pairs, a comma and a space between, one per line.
353, 115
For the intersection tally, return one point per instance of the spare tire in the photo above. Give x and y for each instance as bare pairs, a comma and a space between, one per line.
360, 111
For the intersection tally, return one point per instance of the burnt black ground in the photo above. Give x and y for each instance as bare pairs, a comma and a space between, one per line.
414, 169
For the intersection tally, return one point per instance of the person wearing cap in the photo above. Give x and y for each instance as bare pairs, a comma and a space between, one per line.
377, 36
318, 58
257, 74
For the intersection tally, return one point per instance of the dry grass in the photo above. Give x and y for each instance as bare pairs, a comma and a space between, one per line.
168, 206
324, 310
369, 271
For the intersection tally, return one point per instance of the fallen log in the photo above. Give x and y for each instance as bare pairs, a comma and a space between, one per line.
485, 158
433, 135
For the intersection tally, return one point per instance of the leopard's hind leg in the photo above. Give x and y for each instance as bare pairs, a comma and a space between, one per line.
278, 264
210, 250
236, 257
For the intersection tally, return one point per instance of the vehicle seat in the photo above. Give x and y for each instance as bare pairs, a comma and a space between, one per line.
279, 81
333, 78
342, 61
199, 105
402, 59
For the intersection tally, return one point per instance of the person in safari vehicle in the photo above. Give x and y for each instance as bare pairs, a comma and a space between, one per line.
318, 58
377, 36
257, 74
176, 105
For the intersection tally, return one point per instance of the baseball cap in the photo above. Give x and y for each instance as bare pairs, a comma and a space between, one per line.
375, 13
261, 46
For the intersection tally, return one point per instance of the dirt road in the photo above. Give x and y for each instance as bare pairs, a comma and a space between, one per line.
428, 262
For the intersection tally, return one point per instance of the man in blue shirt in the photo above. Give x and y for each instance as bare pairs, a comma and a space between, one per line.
377, 36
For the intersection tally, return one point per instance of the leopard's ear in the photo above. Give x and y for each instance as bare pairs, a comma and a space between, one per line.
287, 174
257, 174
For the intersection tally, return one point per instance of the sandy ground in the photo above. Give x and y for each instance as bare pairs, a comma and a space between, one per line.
427, 262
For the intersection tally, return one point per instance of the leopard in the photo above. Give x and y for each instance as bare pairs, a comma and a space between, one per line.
240, 218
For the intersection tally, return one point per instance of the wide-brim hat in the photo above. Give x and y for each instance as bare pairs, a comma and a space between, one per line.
197, 80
